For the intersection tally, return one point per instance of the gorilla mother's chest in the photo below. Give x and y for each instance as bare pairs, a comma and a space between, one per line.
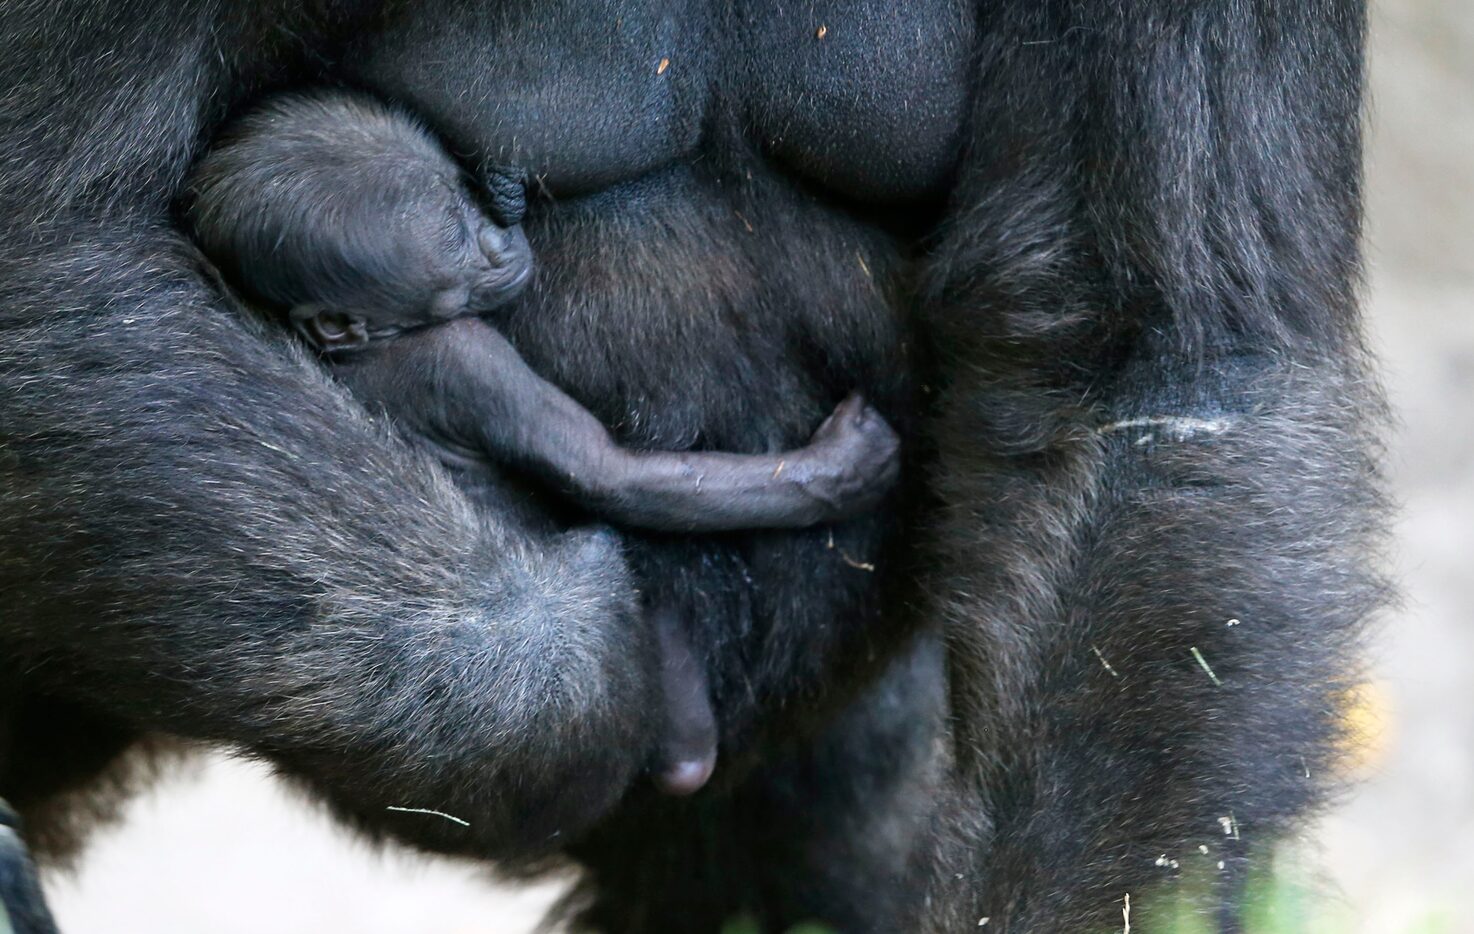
864, 97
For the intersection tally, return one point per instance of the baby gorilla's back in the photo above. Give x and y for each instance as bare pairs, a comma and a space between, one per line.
350, 219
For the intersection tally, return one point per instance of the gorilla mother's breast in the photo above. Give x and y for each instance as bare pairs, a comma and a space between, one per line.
866, 98
693, 289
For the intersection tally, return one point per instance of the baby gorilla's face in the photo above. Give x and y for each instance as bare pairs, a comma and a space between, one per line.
436, 257
469, 263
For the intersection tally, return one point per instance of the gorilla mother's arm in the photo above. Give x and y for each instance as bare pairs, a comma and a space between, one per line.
1157, 449
203, 534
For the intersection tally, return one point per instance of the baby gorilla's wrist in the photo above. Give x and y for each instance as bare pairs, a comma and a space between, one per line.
850, 463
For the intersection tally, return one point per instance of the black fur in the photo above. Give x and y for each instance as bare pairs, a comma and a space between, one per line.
1156, 443
1134, 313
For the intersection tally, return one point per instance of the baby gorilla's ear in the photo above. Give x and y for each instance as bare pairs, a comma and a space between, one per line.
506, 194
329, 328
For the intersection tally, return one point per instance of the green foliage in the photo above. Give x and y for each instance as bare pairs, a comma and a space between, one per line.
1280, 899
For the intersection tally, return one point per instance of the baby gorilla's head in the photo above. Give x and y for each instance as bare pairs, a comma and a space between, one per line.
416, 249
351, 219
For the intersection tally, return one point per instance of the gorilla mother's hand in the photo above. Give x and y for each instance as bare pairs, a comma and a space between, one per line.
204, 535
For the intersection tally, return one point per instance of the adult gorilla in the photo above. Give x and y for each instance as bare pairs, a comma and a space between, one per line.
1112, 246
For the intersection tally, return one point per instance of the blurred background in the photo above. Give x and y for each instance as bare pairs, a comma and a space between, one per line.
223, 849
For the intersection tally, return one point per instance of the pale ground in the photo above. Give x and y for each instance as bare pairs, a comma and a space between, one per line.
1402, 850
227, 852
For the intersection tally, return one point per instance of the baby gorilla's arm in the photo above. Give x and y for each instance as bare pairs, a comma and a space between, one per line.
463, 388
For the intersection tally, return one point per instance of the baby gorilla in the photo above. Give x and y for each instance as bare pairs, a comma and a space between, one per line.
351, 221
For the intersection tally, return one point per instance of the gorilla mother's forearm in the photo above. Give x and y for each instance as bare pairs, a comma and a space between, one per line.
1158, 438
234, 552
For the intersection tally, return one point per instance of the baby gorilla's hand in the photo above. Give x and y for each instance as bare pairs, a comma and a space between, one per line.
852, 460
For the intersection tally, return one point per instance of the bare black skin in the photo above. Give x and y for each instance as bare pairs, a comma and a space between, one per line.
350, 219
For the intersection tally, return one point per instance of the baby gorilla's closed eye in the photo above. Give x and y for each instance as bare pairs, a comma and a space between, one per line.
456, 233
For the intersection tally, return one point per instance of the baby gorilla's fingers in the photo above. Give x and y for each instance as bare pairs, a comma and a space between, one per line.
506, 192
848, 410
853, 459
